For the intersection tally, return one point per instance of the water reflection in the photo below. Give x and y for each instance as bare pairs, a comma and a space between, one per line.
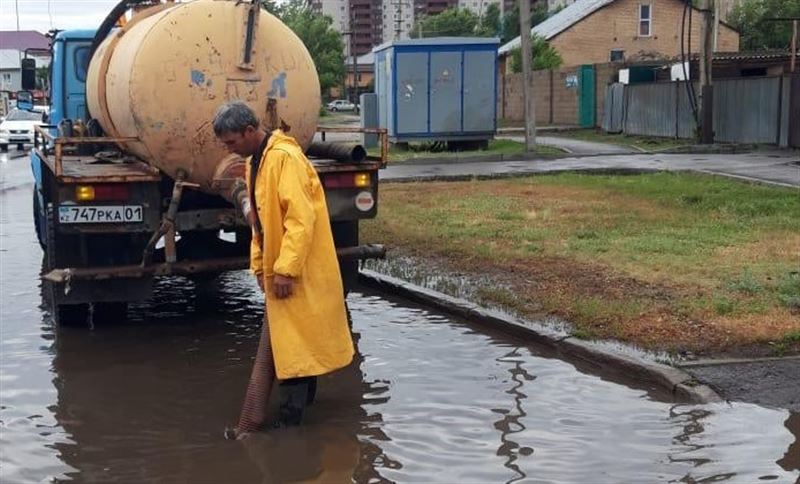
147, 399
511, 423
428, 399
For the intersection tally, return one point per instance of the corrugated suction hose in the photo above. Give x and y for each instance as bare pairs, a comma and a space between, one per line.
262, 378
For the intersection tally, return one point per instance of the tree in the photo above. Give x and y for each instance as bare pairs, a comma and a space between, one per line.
322, 41
490, 24
510, 23
544, 56
270, 6
748, 18
453, 22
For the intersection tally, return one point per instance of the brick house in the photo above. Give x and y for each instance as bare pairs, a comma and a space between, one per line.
599, 31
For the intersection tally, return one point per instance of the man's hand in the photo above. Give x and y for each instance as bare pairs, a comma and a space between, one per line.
283, 286
260, 280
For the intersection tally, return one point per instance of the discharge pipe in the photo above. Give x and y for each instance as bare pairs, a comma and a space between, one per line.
346, 152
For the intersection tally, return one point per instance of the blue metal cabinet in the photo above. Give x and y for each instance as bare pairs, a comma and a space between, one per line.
437, 89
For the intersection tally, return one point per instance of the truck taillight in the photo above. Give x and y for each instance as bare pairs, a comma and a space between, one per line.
109, 192
347, 180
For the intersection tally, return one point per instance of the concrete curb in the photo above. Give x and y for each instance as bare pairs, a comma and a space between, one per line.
593, 171
681, 384
501, 176
480, 159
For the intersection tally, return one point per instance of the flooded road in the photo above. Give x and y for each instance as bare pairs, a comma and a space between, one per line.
428, 399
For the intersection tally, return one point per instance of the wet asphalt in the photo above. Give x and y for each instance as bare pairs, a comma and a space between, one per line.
429, 398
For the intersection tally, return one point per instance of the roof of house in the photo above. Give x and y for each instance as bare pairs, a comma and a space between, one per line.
438, 41
762, 55
368, 59
9, 59
563, 20
23, 39
560, 22
364, 63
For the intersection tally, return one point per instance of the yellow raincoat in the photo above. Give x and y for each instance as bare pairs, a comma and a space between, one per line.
308, 330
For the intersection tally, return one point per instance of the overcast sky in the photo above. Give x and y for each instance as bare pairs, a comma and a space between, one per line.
42, 15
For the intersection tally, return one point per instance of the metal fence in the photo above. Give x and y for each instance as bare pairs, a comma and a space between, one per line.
745, 110
614, 108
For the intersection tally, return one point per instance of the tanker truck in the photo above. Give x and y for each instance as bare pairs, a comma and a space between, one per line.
130, 181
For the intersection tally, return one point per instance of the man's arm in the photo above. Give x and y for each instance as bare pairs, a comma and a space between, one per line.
294, 192
256, 259
256, 241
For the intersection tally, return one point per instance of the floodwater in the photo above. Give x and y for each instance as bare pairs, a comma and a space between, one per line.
428, 399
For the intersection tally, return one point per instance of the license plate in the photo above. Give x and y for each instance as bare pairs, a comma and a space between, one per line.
100, 214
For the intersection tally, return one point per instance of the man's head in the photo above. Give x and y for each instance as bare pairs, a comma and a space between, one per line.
236, 125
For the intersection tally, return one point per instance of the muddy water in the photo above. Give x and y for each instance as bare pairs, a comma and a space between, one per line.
428, 399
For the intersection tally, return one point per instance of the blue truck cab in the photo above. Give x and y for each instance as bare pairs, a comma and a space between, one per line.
70, 53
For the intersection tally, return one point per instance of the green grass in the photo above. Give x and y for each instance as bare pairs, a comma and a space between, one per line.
790, 339
496, 147
788, 289
728, 248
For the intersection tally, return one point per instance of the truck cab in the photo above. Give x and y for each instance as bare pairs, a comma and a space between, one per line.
109, 223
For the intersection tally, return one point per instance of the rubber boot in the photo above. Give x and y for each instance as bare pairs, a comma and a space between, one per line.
312, 390
293, 401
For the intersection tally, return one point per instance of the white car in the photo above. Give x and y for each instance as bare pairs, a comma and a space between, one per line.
17, 128
342, 105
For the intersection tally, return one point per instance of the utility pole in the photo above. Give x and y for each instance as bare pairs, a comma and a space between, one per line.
352, 43
527, 88
794, 97
794, 46
706, 73
794, 80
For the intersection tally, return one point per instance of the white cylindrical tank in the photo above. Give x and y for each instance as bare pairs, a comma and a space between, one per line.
162, 77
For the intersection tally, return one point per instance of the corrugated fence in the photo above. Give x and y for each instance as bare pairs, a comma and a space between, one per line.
745, 110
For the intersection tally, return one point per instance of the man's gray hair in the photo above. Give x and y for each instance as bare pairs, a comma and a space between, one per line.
234, 117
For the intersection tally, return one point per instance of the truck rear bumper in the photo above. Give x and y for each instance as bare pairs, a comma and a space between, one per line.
185, 268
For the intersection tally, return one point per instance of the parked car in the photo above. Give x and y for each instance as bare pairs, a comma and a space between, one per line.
17, 128
342, 105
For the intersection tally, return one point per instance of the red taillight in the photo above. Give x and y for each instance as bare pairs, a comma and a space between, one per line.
112, 191
346, 180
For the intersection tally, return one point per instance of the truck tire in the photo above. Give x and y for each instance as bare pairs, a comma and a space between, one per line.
71, 315
37, 219
62, 314
109, 312
4, 148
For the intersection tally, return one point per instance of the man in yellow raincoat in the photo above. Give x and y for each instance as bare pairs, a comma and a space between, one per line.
293, 258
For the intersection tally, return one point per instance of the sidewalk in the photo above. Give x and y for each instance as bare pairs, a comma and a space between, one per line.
776, 168
576, 146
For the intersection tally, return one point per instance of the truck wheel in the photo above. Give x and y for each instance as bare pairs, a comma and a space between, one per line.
109, 312
71, 315
20, 147
63, 314
37, 219
4, 148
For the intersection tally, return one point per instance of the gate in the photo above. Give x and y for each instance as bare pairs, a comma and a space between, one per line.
587, 97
